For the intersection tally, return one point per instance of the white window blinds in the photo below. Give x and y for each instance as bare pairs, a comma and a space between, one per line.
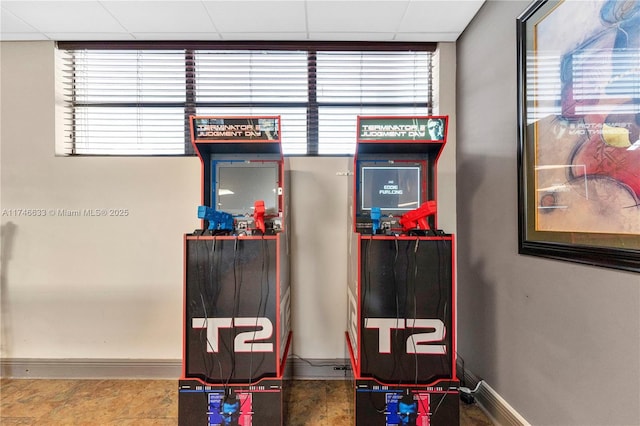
367, 83
137, 102
124, 102
262, 83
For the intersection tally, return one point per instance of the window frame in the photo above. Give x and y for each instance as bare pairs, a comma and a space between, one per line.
312, 105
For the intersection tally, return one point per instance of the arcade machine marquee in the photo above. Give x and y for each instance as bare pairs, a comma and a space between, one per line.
236, 281
401, 295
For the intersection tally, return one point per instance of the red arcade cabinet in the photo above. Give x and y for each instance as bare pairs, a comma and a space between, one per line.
236, 282
401, 320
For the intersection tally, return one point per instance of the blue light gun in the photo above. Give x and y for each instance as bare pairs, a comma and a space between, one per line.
376, 214
218, 221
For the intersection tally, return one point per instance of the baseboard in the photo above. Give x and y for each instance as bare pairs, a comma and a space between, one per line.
493, 404
24, 368
318, 368
36, 368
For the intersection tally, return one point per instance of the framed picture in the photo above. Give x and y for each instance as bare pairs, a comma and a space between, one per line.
579, 131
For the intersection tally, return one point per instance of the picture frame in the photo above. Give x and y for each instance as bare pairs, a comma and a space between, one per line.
578, 112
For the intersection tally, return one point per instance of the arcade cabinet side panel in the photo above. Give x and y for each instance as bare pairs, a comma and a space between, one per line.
284, 305
353, 302
284, 269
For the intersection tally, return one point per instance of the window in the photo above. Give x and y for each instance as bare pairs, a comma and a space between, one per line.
254, 82
136, 100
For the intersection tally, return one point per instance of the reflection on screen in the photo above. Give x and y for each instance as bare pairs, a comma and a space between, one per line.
390, 188
240, 186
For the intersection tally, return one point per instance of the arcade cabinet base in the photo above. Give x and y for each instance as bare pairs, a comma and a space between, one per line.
377, 404
218, 405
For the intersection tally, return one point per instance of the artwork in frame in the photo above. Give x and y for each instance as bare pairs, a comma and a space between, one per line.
579, 131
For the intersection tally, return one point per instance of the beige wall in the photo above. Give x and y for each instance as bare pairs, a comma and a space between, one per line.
85, 287
111, 287
319, 256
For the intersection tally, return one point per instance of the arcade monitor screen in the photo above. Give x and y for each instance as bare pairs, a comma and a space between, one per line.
391, 188
239, 185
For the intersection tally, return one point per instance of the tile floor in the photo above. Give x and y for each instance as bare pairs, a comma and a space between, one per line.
155, 402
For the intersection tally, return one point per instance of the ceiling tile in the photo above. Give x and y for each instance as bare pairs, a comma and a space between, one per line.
336, 36
350, 20
10, 23
355, 16
257, 16
64, 16
439, 16
275, 36
89, 36
23, 36
161, 16
176, 36
427, 37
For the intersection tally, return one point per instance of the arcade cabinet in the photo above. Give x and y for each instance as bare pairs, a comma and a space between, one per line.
236, 281
401, 319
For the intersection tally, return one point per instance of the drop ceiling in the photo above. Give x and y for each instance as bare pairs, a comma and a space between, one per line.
226, 20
